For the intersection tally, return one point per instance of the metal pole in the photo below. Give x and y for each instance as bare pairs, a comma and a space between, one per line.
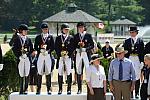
57, 29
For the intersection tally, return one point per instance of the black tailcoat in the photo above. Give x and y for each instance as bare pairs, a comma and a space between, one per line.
17, 46
88, 41
68, 46
39, 42
138, 48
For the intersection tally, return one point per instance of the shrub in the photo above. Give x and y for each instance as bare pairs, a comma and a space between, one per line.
9, 78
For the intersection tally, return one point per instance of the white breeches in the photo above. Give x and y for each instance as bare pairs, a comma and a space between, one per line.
64, 62
137, 66
79, 57
44, 60
24, 66
148, 89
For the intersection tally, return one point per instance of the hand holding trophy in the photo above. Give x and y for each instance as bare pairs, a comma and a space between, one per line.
23, 50
64, 53
43, 50
81, 44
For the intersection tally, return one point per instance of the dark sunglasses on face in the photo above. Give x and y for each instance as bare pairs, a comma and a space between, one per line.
132, 31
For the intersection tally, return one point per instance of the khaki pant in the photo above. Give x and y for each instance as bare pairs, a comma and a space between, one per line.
122, 90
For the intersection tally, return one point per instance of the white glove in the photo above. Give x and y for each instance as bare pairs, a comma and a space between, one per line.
141, 66
1, 66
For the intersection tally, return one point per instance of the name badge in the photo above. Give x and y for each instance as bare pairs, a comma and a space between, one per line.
145, 80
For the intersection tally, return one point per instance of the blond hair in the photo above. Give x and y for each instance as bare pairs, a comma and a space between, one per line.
147, 56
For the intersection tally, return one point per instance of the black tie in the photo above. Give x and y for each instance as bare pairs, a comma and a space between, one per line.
132, 40
120, 70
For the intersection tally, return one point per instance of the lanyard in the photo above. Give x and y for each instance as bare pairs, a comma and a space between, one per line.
132, 42
33, 59
44, 39
63, 40
22, 42
81, 37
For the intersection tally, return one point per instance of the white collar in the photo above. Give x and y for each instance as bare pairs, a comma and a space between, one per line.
135, 38
23, 37
120, 59
82, 34
65, 35
45, 35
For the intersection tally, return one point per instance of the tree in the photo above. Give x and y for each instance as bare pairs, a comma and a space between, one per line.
9, 77
128, 8
146, 12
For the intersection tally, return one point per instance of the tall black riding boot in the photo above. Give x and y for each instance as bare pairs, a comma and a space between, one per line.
39, 82
60, 81
79, 81
26, 85
48, 83
69, 80
21, 85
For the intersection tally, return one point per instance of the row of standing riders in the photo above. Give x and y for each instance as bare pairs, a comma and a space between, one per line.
77, 48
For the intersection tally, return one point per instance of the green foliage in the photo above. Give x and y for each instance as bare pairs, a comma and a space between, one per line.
131, 9
72, 32
104, 62
34, 11
146, 12
9, 78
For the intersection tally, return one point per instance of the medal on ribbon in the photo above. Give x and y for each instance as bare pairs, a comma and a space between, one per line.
63, 52
23, 49
63, 44
63, 40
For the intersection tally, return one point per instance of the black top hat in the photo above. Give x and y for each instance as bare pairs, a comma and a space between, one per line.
44, 25
81, 24
133, 28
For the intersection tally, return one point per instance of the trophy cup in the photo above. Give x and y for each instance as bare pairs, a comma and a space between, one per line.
64, 53
43, 50
24, 51
81, 44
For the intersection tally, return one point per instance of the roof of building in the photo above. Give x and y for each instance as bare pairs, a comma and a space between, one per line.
72, 15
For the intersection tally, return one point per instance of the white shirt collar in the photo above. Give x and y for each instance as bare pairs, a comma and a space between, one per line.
135, 38
82, 34
64, 35
45, 35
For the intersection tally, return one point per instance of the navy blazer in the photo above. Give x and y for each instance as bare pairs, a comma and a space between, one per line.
147, 48
17, 46
88, 41
68, 45
49, 42
138, 48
